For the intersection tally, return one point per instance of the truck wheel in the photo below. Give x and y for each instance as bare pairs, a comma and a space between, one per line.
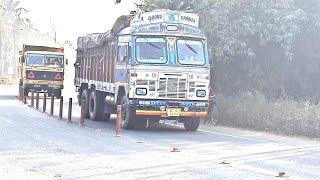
107, 117
85, 97
191, 124
127, 114
96, 106
57, 93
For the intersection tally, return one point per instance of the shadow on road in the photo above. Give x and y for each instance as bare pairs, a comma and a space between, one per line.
7, 97
156, 128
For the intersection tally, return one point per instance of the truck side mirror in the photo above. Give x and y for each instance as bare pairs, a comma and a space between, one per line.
67, 62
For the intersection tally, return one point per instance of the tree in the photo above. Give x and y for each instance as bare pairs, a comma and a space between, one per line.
258, 44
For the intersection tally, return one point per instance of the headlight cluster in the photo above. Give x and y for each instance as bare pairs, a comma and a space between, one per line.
141, 91
201, 93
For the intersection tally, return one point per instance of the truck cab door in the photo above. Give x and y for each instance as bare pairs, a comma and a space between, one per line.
121, 65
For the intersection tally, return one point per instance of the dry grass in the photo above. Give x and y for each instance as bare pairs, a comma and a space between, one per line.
285, 116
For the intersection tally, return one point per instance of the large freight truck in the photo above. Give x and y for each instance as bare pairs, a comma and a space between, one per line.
154, 64
41, 69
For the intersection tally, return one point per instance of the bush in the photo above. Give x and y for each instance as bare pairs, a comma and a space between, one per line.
285, 116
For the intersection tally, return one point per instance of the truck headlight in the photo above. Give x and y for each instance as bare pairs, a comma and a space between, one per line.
141, 91
201, 93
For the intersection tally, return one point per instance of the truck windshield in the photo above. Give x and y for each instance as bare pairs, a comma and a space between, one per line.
190, 52
151, 50
54, 60
35, 59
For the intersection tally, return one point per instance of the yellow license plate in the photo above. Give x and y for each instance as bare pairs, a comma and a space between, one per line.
173, 112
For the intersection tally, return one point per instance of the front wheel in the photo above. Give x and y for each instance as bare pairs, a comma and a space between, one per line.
191, 124
57, 93
127, 114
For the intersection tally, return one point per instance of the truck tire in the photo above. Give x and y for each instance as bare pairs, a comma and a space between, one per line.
96, 106
57, 93
191, 124
107, 117
127, 114
85, 97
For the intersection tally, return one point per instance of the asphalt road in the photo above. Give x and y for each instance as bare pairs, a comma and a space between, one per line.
34, 145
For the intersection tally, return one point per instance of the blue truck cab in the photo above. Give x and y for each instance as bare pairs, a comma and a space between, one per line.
154, 64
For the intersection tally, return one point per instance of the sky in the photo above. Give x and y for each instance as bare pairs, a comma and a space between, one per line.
74, 18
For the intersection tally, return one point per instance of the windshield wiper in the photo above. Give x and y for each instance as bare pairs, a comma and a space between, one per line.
153, 45
191, 48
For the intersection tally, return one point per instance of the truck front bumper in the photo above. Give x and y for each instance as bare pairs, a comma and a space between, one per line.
162, 107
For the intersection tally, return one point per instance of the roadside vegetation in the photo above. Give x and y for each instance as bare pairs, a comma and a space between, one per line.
266, 61
16, 29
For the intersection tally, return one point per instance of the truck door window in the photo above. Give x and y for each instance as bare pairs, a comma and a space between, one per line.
54, 60
122, 53
35, 59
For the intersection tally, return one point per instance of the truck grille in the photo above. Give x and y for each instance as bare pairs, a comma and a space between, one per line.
172, 88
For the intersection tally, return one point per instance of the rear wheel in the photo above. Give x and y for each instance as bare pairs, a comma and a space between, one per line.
127, 114
96, 106
191, 124
85, 97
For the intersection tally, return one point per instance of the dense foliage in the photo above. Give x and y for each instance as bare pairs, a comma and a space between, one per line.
271, 46
267, 61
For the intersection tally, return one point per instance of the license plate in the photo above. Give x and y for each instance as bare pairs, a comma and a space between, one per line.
173, 112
